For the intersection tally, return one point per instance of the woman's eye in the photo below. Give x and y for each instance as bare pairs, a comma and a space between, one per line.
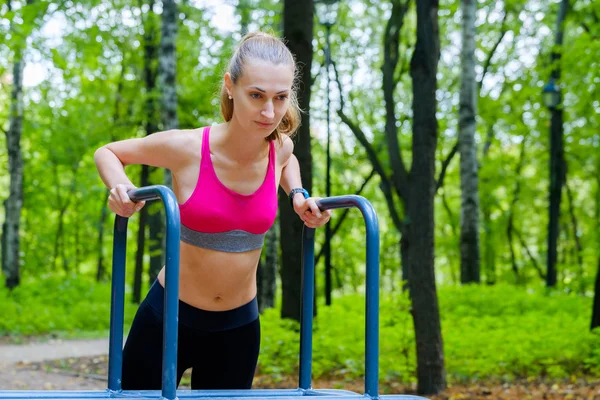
282, 98
255, 95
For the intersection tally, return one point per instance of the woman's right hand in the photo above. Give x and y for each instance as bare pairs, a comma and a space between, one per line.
120, 203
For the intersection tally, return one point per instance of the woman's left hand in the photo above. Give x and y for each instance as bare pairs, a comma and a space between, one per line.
309, 212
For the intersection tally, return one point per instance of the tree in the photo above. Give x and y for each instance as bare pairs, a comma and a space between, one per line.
167, 67
267, 272
557, 150
13, 205
416, 188
431, 374
298, 32
469, 215
149, 216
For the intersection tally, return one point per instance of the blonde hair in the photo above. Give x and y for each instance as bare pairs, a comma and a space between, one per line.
265, 47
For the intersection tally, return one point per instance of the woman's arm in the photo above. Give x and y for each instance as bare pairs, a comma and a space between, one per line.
307, 209
161, 149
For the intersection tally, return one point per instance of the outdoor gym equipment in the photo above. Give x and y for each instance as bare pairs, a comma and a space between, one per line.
169, 390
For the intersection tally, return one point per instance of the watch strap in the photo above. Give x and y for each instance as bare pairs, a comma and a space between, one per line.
294, 191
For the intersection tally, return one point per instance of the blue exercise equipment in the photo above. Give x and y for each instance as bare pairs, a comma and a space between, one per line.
169, 390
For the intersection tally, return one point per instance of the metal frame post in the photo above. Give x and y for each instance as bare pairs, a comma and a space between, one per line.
171, 300
372, 293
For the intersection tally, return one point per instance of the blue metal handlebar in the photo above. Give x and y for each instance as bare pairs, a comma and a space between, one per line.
170, 323
171, 300
372, 292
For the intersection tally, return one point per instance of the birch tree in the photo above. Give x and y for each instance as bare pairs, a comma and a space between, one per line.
14, 203
469, 180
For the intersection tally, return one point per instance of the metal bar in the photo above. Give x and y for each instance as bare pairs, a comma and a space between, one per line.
306, 314
117, 305
372, 295
195, 394
171, 300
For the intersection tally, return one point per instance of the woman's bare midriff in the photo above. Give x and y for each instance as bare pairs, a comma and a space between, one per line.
213, 280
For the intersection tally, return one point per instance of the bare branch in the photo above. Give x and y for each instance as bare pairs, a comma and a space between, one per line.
445, 164
386, 187
339, 84
341, 219
488, 141
314, 78
510, 228
450, 214
385, 184
536, 266
391, 56
488, 61
586, 28
575, 227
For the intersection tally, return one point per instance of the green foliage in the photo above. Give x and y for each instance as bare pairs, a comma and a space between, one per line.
499, 333
52, 304
505, 333
490, 332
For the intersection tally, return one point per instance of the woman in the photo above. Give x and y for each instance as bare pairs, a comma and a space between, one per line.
225, 178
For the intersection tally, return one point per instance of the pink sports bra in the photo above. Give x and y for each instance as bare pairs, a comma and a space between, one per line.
215, 217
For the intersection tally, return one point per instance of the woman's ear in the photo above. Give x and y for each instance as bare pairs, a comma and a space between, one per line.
228, 83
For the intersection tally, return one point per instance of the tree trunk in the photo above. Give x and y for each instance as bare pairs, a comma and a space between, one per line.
151, 48
596, 307
14, 203
489, 246
156, 223
469, 181
489, 242
77, 237
431, 375
267, 273
298, 31
510, 227
141, 242
391, 59
167, 68
100, 268
404, 261
557, 158
578, 246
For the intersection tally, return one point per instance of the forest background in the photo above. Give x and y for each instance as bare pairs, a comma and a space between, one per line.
472, 128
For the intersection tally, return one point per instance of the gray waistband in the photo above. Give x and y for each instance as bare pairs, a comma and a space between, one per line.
236, 241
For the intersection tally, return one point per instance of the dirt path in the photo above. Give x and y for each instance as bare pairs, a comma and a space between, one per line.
16, 372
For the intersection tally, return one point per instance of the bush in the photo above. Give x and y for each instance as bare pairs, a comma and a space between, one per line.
499, 332
57, 304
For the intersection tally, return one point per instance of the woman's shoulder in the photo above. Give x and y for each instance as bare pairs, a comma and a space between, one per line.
184, 137
284, 148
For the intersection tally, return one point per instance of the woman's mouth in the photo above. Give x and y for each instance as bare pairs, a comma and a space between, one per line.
264, 124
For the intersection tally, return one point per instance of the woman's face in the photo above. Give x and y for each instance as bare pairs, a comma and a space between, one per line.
261, 96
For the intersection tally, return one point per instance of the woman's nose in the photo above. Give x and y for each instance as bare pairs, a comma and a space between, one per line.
268, 111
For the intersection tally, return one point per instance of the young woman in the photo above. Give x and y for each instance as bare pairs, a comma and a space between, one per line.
225, 178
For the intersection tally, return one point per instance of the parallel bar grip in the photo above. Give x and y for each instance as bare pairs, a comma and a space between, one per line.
171, 300
372, 292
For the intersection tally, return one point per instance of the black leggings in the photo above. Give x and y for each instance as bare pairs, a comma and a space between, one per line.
221, 347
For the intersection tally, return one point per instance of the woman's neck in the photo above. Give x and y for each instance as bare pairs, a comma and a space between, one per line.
240, 146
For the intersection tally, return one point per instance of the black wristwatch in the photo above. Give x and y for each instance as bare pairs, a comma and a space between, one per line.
297, 190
